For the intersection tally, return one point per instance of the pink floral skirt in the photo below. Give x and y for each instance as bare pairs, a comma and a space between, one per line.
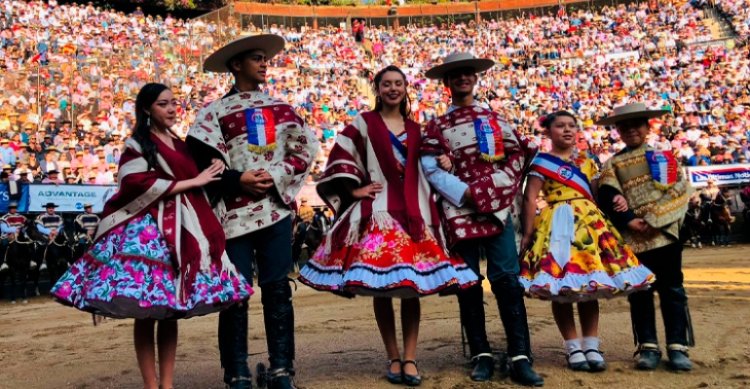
128, 274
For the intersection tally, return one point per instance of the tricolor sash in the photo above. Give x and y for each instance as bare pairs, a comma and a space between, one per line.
563, 172
663, 167
489, 139
261, 130
399, 150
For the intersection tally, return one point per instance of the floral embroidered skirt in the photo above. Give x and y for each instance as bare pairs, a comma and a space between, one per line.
386, 263
594, 263
128, 274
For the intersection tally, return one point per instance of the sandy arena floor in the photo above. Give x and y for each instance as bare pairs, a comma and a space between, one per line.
46, 345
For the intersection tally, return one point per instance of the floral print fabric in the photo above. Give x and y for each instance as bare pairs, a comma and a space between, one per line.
600, 263
386, 262
128, 274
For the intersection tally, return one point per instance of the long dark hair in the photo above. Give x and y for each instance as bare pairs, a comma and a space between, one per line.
547, 120
142, 131
405, 106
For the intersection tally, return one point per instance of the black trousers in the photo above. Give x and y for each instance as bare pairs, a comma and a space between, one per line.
271, 249
666, 264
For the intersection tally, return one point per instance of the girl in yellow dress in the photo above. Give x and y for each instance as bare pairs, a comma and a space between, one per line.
572, 252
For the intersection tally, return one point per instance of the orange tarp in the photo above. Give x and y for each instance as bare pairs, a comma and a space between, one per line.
252, 8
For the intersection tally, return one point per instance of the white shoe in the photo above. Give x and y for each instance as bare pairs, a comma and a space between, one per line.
4, 267
13, 302
25, 301
32, 265
43, 267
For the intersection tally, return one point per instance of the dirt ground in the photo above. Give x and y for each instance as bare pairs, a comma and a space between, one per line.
46, 345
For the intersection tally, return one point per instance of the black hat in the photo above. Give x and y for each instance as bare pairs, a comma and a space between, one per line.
51, 172
50, 205
12, 204
87, 205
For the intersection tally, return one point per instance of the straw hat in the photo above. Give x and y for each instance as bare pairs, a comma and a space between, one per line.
457, 61
630, 111
271, 44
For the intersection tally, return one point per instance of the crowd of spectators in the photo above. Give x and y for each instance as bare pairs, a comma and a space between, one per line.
70, 73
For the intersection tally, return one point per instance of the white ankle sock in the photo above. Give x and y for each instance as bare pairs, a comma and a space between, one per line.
571, 346
592, 343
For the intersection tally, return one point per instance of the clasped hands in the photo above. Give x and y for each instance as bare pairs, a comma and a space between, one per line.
638, 224
255, 182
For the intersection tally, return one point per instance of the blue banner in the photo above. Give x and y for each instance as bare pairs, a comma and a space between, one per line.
721, 174
21, 197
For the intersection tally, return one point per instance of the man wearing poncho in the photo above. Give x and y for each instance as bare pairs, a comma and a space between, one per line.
480, 208
268, 151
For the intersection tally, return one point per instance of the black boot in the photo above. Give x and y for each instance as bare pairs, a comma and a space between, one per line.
676, 316
278, 316
233, 346
648, 356
678, 358
471, 305
643, 317
522, 373
509, 295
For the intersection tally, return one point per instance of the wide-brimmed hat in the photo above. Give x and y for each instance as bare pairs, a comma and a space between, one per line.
630, 111
457, 61
271, 44
50, 205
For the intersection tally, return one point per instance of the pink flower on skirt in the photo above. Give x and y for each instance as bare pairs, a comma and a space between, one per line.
422, 266
105, 272
374, 243
171, 299
138, 277
144, 304
148, 234
64, 290
158, 275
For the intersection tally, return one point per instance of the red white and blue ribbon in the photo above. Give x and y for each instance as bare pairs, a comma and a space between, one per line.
261, 130
399, 150
489, 138
563, 172
663, 167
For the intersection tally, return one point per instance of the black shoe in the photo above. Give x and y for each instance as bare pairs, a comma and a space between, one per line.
522, 373
484, 367
240, 383
394, 378
578, 366
281, 379
410, 380
678, 358
648, 357
595, 366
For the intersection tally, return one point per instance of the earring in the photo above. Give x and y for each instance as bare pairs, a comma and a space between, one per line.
148, 121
